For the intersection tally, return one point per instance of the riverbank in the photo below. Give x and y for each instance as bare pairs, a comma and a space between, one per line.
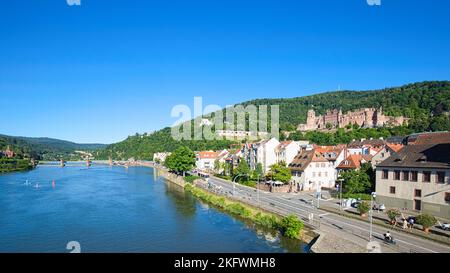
322, 241
8, 165
239, 209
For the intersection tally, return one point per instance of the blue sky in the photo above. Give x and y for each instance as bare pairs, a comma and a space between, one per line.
107, 69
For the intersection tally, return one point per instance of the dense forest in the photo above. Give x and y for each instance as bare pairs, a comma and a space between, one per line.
44, 148
144, 146
426, 103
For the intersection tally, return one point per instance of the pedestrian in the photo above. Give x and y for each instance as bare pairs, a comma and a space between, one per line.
405, 224
411, 222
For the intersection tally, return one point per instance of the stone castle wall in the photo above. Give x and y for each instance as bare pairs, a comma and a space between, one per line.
366, 117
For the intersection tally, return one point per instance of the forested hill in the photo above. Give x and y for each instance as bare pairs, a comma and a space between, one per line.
426, 103
44, 148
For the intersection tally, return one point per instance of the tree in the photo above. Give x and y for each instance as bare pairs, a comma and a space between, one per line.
356, 181
259, 172
363, 208
279, 172
217, 166
291, 226
181, 160
242, 171
393, 214
426, 221
329, 126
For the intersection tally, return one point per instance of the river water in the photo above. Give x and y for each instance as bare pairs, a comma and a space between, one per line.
113, 209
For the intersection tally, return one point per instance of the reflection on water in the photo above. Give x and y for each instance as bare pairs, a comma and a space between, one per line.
112, 209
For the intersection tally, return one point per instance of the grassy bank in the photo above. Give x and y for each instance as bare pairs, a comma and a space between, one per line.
14, 165
289, 226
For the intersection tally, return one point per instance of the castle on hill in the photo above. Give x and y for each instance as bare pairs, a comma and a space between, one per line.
364, 117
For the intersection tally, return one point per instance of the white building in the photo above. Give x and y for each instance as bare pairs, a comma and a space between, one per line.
264, 152
231, 134
286, 151
312, 172
205, 160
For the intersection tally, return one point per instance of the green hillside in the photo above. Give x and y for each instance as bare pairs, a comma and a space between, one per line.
45, 148
426, 103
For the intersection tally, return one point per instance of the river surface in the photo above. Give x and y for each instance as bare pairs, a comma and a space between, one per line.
113, 209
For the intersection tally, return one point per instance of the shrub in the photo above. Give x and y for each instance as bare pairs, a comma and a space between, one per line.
190, 178
362, 196
393, 214
269, 221
238, 209
363, 207
426, 221
251, 184
291, 226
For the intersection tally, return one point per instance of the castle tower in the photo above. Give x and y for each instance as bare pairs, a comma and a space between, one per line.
311, 119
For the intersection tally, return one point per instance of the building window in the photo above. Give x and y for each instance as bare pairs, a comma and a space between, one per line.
385, 174
426, 177
417, 193
447, 197
417, 205
405, 175
396, 175
392, 190
414, 176
440, 177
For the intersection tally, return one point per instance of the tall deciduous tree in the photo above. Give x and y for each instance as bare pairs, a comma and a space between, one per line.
279, 172
181, 160
242, 170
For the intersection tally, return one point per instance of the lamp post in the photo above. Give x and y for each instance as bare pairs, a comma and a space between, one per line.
340, 192
372, 196
319, 192
257, 189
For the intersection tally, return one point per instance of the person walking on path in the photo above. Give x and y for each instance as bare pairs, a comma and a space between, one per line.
405, 224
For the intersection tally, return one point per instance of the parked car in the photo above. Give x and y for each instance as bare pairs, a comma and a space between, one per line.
356, 203
444, 226
381, 207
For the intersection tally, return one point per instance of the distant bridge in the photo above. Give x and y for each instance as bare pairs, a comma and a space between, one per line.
125, 164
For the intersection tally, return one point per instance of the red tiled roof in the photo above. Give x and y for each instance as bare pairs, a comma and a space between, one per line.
395, 147
354, 161
207, 154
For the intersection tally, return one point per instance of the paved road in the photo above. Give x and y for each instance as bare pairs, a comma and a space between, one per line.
352, 230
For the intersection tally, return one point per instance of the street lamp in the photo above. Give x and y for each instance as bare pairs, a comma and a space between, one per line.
257, 190
372, 196
340, 192
319, 193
